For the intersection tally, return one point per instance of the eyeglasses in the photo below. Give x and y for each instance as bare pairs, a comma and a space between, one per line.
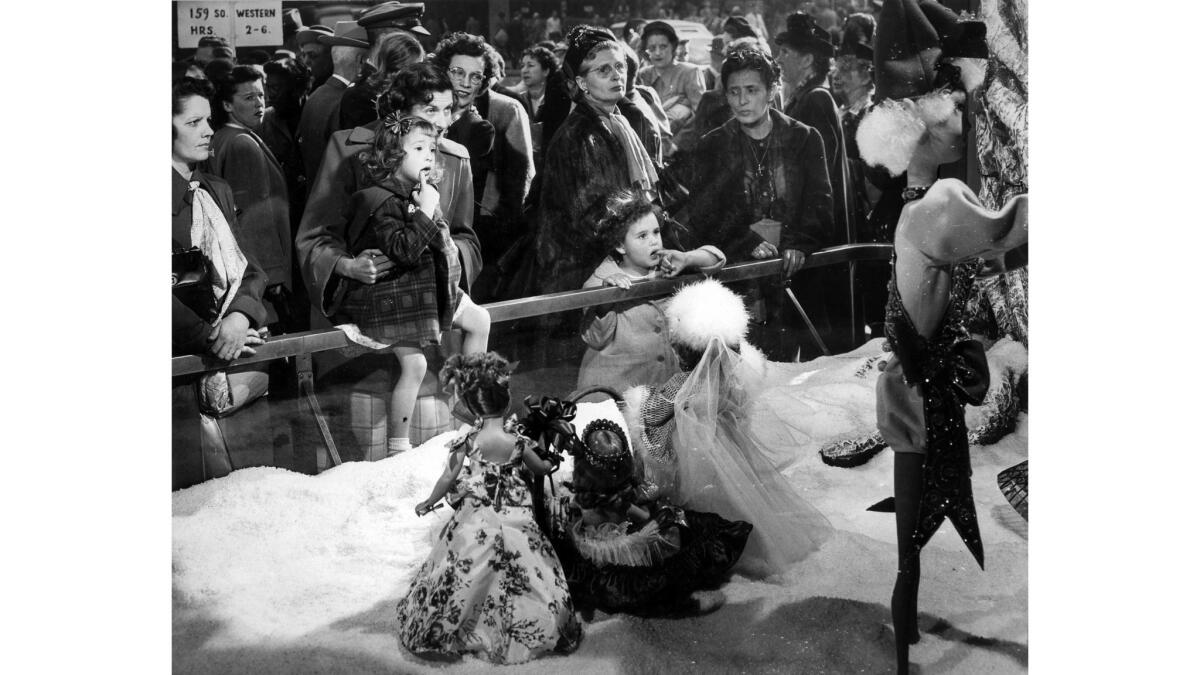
460, 74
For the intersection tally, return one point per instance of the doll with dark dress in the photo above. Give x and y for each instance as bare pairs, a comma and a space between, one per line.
623, 552
943, 236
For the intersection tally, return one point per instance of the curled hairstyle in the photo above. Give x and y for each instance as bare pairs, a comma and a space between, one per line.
227, 87
544, 58
391, 53
413, 85
624, 208
184, 88
465, 44
479, 380
387, 151
751, 57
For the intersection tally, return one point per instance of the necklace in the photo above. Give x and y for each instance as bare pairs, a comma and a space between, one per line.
913, 193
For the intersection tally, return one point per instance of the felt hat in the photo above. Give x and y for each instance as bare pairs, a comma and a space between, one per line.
391, 14
738, 27
309, 34
346, 34
803, 33
213, 41
283, 54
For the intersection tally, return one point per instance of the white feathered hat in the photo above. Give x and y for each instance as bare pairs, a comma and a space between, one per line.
704, 310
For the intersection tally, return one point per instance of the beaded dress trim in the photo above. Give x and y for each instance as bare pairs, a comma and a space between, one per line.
946, 489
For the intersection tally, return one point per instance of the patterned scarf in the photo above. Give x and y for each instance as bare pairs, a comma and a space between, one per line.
641, 169
212, 234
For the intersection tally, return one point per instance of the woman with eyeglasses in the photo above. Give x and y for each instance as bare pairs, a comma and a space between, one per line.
503, 176
595, 153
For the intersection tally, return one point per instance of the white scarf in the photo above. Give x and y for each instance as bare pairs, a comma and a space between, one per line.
212, 234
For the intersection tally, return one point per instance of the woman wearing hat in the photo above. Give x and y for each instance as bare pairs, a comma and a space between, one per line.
679, 84
805, 51
927, 62
595, 153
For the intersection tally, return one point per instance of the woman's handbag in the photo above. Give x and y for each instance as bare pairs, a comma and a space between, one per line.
188, 268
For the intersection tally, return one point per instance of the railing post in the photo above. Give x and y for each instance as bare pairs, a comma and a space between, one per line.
304, 382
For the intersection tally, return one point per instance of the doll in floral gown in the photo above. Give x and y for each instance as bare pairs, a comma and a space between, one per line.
492, 584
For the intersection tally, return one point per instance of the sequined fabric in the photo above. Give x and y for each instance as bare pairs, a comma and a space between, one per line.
932, 363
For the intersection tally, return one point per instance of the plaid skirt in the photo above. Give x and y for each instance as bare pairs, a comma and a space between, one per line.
413, 306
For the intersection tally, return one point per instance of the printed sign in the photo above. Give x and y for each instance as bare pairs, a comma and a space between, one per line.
249, 23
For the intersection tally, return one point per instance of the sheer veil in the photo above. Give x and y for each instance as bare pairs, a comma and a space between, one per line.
724, 468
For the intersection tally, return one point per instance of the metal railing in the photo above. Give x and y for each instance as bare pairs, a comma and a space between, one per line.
309, 342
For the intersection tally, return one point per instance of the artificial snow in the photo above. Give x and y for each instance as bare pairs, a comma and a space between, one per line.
279, 572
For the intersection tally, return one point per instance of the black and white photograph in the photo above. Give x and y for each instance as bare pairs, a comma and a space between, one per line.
612, 337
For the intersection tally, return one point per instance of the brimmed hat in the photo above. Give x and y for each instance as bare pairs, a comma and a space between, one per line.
346, 34
403, 15
803, 33
309, 34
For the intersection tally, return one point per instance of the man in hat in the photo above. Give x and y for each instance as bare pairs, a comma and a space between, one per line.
315, 54
358, 101
348, 47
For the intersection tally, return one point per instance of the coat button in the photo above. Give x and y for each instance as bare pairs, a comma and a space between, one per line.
661, 358
657, 330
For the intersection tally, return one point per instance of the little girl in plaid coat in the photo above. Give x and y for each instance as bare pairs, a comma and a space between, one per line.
416, 295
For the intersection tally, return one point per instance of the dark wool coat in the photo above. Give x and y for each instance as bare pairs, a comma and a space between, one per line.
192, 313
285, 145
422, 292
357, 107
321, 240
813, 105
511, 167
264, 228
718, 212
478, 136
318, 121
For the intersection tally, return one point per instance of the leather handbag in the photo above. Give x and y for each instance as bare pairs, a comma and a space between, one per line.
188, 268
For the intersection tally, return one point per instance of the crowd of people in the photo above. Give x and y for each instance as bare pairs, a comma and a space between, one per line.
745, 159
364, 181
